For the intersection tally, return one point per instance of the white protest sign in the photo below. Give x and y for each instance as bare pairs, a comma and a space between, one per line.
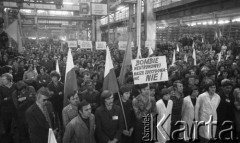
100, 45
85, 44
72, 44
149, 44
148, 70
122, 45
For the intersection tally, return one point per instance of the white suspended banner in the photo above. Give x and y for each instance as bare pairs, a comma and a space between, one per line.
85, 44
99, 9
149, 70
101, 45
122, 45
72, 44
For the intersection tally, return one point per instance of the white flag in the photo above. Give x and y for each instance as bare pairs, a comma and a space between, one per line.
174, 57
194, 57
177, 48
51, 136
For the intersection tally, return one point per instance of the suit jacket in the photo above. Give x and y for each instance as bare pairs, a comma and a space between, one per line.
37, 123
78, 132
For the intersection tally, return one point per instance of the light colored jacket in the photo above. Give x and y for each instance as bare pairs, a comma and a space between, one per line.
77, 131
163, 113
188, 115
205, 108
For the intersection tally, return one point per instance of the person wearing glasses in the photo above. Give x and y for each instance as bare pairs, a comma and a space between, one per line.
40, 117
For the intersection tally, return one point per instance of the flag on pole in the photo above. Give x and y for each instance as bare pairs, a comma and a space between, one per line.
174, 57
177, 48
194, 57
70, 84
19, 40
12, 30
193, 45
126, 61
215, 35
219, 57
220, 34
138, 28
150, 51
57, 67
110, 80
185, 58
51, 136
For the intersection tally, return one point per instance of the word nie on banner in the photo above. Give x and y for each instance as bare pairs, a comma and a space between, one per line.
72, 44
148, 70
85, 44
100, 45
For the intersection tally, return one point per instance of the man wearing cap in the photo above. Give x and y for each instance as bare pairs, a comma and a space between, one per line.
40, 117
109, 120
81, 128
225, 110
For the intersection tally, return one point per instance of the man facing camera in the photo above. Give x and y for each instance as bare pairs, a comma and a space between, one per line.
40, 117
81, 128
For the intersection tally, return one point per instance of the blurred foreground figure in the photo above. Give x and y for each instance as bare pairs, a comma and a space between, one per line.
40, 117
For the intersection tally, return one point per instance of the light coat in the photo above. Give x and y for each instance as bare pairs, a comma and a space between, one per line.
205, 108
163, 113
77, 131
188, 116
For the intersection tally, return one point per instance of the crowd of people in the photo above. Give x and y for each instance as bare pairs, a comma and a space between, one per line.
32, 92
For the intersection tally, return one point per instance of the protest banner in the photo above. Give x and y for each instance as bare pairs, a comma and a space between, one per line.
85, 44
148, 70
123, 44
72, 44
100, 45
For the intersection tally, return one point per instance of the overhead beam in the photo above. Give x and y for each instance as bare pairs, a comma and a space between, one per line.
72, 18
41, 6
196, 8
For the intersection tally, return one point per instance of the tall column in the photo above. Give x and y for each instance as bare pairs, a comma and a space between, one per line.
149, 21
93, 28
98, 30
1, 9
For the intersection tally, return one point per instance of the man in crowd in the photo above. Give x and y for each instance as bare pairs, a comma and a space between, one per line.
81, 128
40, 117
71, 110
109, 120
8, 113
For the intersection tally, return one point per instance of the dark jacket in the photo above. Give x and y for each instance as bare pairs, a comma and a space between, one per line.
109, 124
37, 123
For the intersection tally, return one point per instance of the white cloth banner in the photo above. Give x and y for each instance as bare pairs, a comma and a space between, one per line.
122, 45
100, 45
148, 70
85, 44
72, 44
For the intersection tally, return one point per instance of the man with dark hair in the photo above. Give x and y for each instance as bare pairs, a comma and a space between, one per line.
225, 110
70, 111
205, 109
7, 109
81, 128
40, 117
109, 120
91, 95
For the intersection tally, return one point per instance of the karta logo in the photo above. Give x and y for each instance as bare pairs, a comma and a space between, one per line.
150, 134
